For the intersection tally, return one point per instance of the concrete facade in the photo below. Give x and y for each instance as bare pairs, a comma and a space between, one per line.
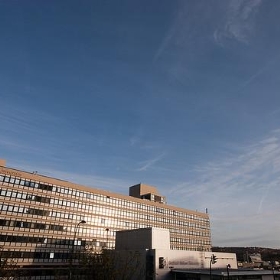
145, 238
162, 260
40, 218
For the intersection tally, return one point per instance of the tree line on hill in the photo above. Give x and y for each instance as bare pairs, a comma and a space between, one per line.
242, 253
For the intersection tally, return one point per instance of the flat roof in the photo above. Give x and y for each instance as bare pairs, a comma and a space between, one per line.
224, 272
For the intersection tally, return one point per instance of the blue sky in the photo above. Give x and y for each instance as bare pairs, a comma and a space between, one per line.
182, 95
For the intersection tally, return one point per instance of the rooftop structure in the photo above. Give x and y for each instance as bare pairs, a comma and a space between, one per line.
146, 192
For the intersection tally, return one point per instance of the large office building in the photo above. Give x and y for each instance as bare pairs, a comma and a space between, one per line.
42, 219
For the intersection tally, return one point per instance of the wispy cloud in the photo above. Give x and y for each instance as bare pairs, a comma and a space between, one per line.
259, 72
239, 23
233, 19
139, 142
246, 170
150, 163
275, 112
134, 140
238, 189
181, 29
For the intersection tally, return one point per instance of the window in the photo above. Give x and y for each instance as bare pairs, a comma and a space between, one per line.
7, 179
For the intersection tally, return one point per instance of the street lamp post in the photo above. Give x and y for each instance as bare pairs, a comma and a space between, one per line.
107, 238
210, 275
228, 267
72, 249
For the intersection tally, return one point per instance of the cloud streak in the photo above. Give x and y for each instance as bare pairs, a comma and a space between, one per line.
240, 189
239, 23
150, 163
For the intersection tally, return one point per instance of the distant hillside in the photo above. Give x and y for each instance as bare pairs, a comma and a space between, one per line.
242, 253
